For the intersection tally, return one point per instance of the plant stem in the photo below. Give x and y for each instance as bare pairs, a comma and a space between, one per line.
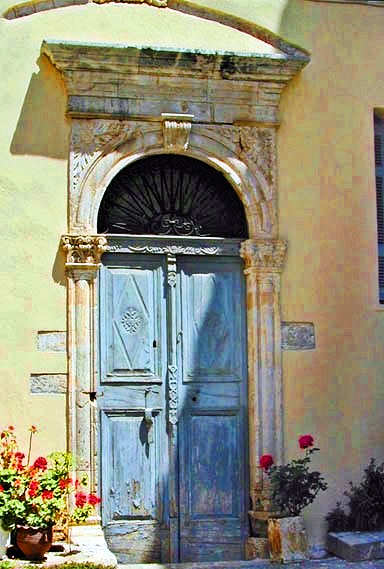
30, 446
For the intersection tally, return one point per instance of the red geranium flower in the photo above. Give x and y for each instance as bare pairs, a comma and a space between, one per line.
306, 441
40, 463
93, 499
11, 428
1, 488
47, 495
80, 499
64, 483
266, 461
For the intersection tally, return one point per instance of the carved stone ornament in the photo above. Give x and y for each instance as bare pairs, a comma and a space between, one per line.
83, 249
161, 247
176, 131
258, 145
264, 254
89, 138
158, 3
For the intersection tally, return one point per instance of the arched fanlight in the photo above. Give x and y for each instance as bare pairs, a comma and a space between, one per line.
171, 195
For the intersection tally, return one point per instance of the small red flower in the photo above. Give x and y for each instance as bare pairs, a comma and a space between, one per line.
47, 494
266, 461
17, 483
64, 483
19, 456
40, 463
11, 428
93, 499
80, 499
77, 484
1, 488
34, 485
33, 429
3, 435
306, 441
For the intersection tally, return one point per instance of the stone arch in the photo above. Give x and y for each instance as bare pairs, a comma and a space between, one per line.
101, 148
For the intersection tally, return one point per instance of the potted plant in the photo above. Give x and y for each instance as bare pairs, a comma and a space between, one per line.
34, 496
364, 514
293, 487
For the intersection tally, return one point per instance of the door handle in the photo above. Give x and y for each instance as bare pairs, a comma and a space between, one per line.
148, 419
179, 337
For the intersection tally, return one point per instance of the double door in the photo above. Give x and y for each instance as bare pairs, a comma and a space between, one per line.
172, 403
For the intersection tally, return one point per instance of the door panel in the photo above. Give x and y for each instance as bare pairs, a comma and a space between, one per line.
131, 397
130, 474
212, 428
199, 464
211, 296
131, 348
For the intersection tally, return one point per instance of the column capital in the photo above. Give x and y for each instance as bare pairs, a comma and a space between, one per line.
263, 255
83, 254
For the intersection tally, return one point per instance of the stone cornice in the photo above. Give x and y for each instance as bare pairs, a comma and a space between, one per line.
264, 255
102, 81
83, 251
128, 60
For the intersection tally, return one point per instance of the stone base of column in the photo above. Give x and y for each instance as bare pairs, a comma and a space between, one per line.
90, 543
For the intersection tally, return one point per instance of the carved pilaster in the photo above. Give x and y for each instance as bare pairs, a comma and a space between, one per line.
83, 253
264, 260
176, 131
263, 255
83, 249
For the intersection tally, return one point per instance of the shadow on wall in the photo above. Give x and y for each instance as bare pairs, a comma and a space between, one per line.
58, 268
42, 128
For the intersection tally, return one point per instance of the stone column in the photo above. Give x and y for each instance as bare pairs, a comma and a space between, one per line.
264, 259
82, 265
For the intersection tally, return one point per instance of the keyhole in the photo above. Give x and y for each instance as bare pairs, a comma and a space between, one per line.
92, 395
154, 344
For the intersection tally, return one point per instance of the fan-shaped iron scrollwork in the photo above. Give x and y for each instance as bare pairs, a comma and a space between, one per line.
171, 195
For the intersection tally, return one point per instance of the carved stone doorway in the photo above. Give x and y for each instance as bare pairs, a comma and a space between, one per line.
237, 140
172, 390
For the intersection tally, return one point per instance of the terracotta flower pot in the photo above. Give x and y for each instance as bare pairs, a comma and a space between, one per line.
34, 542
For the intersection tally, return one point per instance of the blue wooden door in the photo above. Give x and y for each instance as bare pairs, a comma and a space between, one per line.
213, 417
173, 488
131, 401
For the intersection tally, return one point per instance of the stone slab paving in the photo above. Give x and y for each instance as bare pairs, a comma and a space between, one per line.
327, 563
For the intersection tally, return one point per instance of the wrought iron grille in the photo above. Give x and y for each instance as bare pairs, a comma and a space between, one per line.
171, 195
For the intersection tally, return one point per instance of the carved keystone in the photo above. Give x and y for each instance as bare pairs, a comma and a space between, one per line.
176, 131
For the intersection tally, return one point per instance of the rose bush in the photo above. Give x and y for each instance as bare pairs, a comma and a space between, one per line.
293, 486
36, 495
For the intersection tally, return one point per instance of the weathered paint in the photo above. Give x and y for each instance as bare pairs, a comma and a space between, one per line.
326, 201
200, 498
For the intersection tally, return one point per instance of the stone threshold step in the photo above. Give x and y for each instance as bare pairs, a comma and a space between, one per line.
327, 563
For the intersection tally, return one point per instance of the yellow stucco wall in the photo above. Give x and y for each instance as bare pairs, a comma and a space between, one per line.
326, 206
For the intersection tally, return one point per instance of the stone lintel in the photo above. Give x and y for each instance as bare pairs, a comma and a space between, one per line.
150, 108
